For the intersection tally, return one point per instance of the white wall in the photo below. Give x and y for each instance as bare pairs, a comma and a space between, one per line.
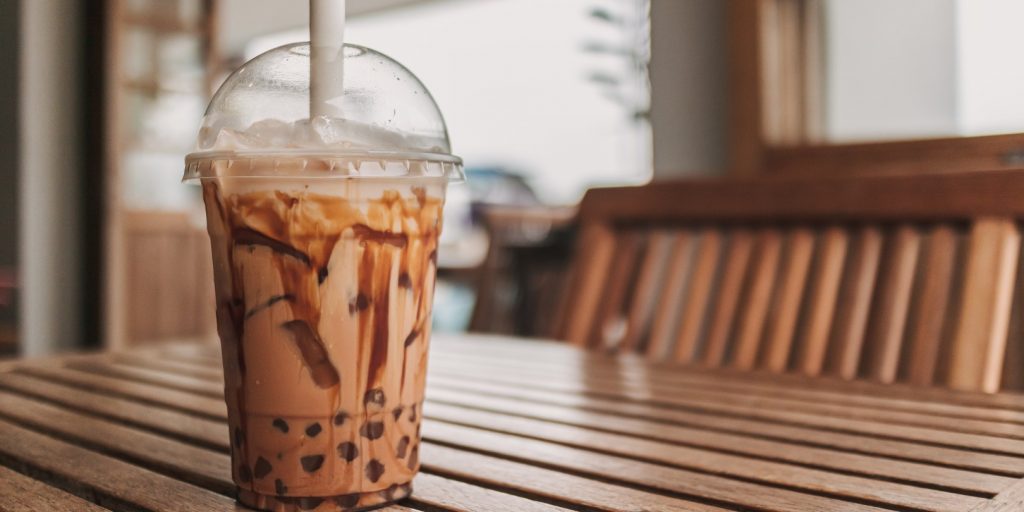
689, 88
891, 69
688, 73
243, 20
48, 210
991, 79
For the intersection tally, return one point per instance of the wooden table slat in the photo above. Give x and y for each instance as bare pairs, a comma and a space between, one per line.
687, 380
198, 466
102, 479
549, 483
935, 476
20, 493
173, 423
535, 351
704, 461
753, 427
606, 467
526, 425
956, 479
946, 431
212, 408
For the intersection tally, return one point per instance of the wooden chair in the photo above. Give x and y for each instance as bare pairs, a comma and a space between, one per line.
897, 279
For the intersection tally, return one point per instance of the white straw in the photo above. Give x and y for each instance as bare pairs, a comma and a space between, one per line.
327, 70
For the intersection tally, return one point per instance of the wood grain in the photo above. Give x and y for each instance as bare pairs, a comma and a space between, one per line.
1010, 500
980, 338
609, 327
822, 300
666, 319
596, 247
995, 437
171, 423
724, 313
767, 426
548, 483
531, 425
889, 320
450, 494
930, 311
758, 300
106, 481
648, 289
788, 297
589, 463
728, 443
922, 197
697, 296
855, 300
20, 493
198, 466
201, 406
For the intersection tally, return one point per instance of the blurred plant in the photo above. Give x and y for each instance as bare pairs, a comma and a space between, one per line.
624, 52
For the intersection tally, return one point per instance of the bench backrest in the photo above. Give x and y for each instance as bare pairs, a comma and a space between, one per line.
896, 278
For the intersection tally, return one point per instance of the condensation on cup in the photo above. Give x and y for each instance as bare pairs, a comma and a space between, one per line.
324, 233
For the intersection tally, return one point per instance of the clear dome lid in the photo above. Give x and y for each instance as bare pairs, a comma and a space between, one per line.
258, 123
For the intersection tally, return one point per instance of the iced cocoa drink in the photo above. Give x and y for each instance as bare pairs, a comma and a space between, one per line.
325, 238
323, 308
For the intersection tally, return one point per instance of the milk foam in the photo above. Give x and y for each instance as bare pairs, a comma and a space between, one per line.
317, 134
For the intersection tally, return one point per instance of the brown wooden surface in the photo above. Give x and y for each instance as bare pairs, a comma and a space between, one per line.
521, 425
801, 198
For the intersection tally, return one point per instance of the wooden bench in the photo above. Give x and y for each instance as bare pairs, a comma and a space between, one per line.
896, 279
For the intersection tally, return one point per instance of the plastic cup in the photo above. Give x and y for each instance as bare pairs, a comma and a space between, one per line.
324, 237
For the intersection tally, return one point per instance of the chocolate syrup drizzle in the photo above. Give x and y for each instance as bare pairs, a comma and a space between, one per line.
304, 271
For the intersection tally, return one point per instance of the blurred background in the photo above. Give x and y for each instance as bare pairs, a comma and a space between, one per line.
100, 245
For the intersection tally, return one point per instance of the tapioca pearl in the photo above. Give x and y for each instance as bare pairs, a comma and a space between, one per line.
309, 503
360, 303
348, 451
404, 280
347, 501
239, 437
397, 412
414, 457
262, 468
390, 493
412, 414
339, 419
374, 470
313, 430
403, 445
372, 430
311, 463
280, 488
244, 475
280, 424
374, 400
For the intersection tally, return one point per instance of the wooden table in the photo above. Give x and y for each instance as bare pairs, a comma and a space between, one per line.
515, 425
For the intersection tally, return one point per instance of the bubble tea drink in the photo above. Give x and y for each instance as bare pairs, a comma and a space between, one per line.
324, 233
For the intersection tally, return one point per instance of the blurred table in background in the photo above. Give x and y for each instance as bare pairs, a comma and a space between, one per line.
520, 282
514, 424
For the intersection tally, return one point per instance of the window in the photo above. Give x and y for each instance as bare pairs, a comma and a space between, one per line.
876, 86
554, 91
